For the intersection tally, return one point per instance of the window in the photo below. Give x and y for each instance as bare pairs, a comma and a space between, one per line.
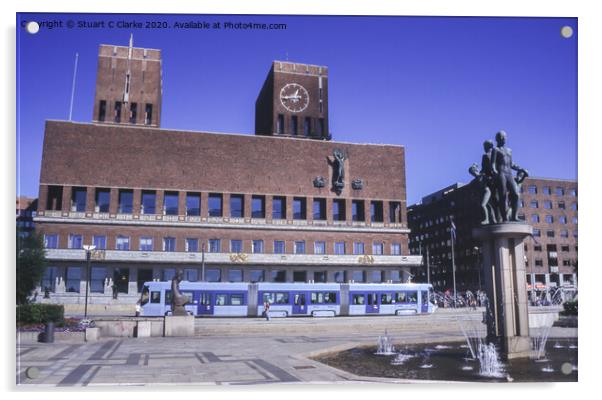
358, 276
300, 247
235, 246
97, 279
323, 297
376, 276
536, 232
562, 219
564, 233
574, 219
257, 275
565, 248
299, 276
278, 275
547, 190
49, 278
72, 283
339, 248
307, 126
170, 203
561, 205
100, 242
169, 244
133, 112
357, 210
395, 212
149, 202
257, 246
321, 124
192, 245
358, 248
559, 191
574, 234
278, 207
148, 114
117, 117
193, 204
533, 204
299, 208
386, 298
78, 199
319, 208
51, 241
295, 125
122, 243
237, 205
376, 211
537, 247
358, 299
214, 246
279, 247
236, 299
103, 198
221, 299
339, 276
102, 110
574, 206
338, 210
395, 276
532, 189
155, 297
54, 200
320, 276
75, 241
126, 201
566, 263
395, 249
549, 219
547, 204
550, 234
377, 248
573, 192
258, 207
235, 275
280, 124
215, 205
146, 244
121, 279
319, 247
213, 275
538, 262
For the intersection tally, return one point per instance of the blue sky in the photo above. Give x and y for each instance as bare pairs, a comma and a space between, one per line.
437, 85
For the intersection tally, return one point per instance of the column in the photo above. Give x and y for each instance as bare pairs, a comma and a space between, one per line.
90, 198
159, 201
136, 201
42, 198
114, 201
66, 205
226, 205
133, 282
181, 203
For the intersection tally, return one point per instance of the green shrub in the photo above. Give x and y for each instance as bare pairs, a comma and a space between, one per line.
40, 313
570, 308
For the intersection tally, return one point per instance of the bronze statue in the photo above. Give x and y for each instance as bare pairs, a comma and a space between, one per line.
501, 190
178, 300
338, 170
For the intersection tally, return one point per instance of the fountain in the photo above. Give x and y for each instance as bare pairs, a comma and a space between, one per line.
385, 345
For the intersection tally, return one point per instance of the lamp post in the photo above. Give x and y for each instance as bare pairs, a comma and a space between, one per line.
89, 249
479, 266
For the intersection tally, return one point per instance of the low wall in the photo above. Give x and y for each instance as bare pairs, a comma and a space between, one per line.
60, 337
127, 327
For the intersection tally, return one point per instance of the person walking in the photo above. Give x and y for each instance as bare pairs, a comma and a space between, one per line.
266, 310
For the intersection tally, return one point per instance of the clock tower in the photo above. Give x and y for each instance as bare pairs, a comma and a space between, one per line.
293, 102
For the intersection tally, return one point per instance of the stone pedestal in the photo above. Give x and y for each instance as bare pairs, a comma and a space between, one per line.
92, 334
179, 325
504, 275
143, 329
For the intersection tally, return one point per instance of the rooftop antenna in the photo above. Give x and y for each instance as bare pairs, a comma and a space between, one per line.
73, 87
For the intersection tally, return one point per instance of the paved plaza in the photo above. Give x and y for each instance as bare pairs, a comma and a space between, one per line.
247, 351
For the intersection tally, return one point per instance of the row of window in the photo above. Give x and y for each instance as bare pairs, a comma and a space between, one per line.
170, 206
549, 219
146, 243
547, 204
118, 106
547, 190
565, 263
311, 126
563, 248
563, 233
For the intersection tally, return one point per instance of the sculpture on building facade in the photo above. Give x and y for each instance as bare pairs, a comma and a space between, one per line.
338, 170
178, 300
500, 188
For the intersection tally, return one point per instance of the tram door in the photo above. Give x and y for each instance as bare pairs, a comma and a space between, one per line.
425, 301
205, 304
372, 306
299, 304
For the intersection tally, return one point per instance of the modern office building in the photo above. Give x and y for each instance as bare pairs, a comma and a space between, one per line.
272, 207
549, 205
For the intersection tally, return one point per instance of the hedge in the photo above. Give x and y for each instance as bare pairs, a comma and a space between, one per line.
570, 308
40, 313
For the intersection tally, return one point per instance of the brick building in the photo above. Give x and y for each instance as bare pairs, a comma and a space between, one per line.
26, 210
549, 205
223, 207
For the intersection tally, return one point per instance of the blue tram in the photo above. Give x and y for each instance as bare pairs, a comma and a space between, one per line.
290, 299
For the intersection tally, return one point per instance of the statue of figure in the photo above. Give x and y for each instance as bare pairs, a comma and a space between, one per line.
338, 170
178, 300
483, 178
506, 187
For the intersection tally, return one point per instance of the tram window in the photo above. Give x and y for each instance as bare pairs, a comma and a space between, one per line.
299, 300
236, 299
386, 298
372, 299
425, 298
269, 297
155, 297
359, 299
220, 299
144, 297
281, 298
188, 295
331, 297
412, 297
168, 297
205, 299
401, 297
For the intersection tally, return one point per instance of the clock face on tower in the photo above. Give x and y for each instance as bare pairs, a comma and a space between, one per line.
294, 97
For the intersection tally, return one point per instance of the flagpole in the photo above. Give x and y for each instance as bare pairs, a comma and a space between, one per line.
452, 234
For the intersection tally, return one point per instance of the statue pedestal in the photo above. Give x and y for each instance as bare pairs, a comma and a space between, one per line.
505, 283
179, 325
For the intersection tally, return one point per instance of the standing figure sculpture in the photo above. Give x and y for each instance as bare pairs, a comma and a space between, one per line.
338, 170
507, 190
178, 300
484, 179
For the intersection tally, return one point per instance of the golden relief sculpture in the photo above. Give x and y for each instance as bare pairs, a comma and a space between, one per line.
238, 257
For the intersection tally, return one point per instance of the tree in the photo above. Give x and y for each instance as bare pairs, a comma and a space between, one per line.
31, 263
